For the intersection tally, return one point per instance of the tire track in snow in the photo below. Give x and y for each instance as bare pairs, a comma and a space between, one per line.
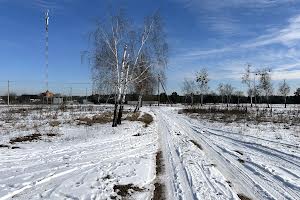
263, 183
198, 177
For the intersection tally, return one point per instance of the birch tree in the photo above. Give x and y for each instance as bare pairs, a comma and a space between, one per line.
247, 80
118, 47
239, 94
265, 83
188, 89
228, 90
146, 82
284, 90
221, 91
202, 82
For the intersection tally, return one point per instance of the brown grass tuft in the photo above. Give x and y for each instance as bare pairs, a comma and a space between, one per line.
159, 192
54, 123
126, 190
26, 138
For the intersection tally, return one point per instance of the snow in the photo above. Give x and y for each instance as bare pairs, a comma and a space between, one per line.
202, 159
81, 163
259, 167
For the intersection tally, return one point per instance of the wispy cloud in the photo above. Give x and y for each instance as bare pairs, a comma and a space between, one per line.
46, 4
288, 35
217, 15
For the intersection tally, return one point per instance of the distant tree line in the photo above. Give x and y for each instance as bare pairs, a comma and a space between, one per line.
212, 98
259, 86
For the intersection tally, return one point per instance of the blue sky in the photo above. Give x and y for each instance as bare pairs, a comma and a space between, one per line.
222, 36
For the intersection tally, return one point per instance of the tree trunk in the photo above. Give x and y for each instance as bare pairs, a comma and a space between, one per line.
119, 119
201, 99
285, 102
227, 101
114, 124
139, 104
251, 99
117, 103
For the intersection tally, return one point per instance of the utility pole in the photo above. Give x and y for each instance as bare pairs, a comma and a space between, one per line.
158, 82
8, 92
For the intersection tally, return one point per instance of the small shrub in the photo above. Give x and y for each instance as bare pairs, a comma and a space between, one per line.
146, 118
133, 116
96, 119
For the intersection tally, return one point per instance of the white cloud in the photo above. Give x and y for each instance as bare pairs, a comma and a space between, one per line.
288, 35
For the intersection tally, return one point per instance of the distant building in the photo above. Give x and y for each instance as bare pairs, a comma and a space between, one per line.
47, 97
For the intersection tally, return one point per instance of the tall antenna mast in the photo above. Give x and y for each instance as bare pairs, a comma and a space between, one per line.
47, 35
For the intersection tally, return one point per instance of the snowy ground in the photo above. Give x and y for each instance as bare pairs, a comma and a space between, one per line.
81, 162
225, 164
201, 159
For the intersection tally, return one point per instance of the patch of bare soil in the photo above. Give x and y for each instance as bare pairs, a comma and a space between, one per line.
196, 144
126, 190
241, 160
159, 191
239, 152
26, 138
243, 197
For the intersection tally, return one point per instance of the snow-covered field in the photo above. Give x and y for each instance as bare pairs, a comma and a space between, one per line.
201, 159
214, 160
79, 162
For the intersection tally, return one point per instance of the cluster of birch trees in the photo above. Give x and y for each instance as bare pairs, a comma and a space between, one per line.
259, 84
127, 58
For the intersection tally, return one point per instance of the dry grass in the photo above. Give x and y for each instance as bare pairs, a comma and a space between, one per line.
126, 190
242, 114
54, 123
133, 116
159, 163
26, 138
159, 191
146, 118
96, 119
